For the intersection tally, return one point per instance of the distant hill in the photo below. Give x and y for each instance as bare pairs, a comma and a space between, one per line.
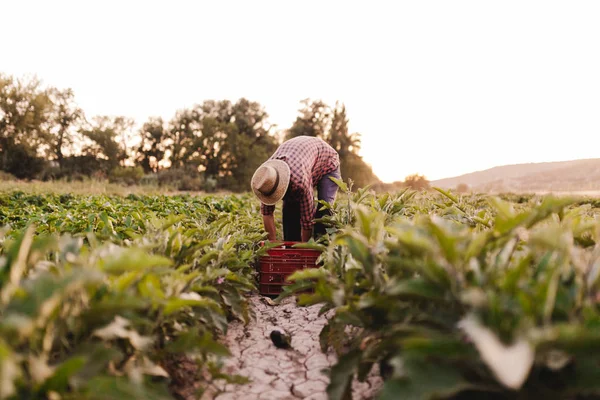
561, 176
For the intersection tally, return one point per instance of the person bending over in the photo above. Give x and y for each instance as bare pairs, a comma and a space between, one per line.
297, 167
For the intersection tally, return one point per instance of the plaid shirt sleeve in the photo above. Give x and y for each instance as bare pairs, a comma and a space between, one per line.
266, 210
307, 207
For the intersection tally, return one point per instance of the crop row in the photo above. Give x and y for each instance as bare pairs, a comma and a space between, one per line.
460, 297
99, 294
444, 296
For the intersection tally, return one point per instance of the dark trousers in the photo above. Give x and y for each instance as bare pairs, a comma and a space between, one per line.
326, 190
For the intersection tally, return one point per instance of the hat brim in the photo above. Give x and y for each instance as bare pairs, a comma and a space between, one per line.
284, 180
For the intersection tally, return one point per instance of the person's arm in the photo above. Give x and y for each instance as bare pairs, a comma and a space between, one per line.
269, 222
306, 234
307, 213
268, 213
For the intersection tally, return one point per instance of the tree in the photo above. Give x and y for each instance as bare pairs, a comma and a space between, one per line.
225, 140
347, 145
234, 140
108, 140
338, 136
314, 120
152, 147
212, 145
353, 167
250, 144
245, 154
181, 136
197, 137
25, 110
318, 119
416, 181
65, 114
250, 118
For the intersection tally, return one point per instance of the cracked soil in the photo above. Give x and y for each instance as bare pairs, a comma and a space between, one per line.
274, 373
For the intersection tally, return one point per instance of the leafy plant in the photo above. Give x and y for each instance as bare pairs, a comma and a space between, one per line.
445, 295
97, 293
448, 297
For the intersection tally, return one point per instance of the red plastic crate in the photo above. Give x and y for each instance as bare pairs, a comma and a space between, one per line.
280, 262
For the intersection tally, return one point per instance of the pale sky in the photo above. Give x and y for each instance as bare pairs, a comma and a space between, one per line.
439, 88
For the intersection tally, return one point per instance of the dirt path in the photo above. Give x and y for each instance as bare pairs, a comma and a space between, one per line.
281, 373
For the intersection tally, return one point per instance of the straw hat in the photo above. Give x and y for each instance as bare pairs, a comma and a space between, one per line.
270, 181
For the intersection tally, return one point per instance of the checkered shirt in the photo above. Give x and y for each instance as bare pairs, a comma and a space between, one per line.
310, 158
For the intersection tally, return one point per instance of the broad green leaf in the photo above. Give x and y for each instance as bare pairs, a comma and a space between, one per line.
341, 184
192, 341
416, 287
59, 381
133, 259
177, 304
307, 273
117, 388
150, 287
340, 385
424, 379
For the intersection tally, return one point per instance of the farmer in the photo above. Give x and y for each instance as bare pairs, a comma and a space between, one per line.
290, 174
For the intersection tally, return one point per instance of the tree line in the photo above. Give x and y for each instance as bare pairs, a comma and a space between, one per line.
217, 144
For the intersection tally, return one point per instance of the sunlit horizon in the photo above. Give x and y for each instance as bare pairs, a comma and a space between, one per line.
437, 88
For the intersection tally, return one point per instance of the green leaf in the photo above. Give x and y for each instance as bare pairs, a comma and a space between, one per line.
116, 388
417, 288
191, 341
59, 381
310, 245
586, 377
174, 305
150, 287
445, 239
341, 184
423, 379
342, 373
307, 274
324, 337
447, 194
133, 259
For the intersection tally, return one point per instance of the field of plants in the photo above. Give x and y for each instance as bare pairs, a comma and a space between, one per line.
461, 297
99, 294
445, 296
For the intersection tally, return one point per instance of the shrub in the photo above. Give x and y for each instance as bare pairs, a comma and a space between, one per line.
190, 183
170, 177
149, 180
185, 179
87, 165
77, 177
99, 175
416, 182
462, 188
23, 164
210, 184
50, 172
6, 176
126, 175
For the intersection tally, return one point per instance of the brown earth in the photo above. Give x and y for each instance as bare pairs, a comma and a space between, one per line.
575, 177
295, 373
